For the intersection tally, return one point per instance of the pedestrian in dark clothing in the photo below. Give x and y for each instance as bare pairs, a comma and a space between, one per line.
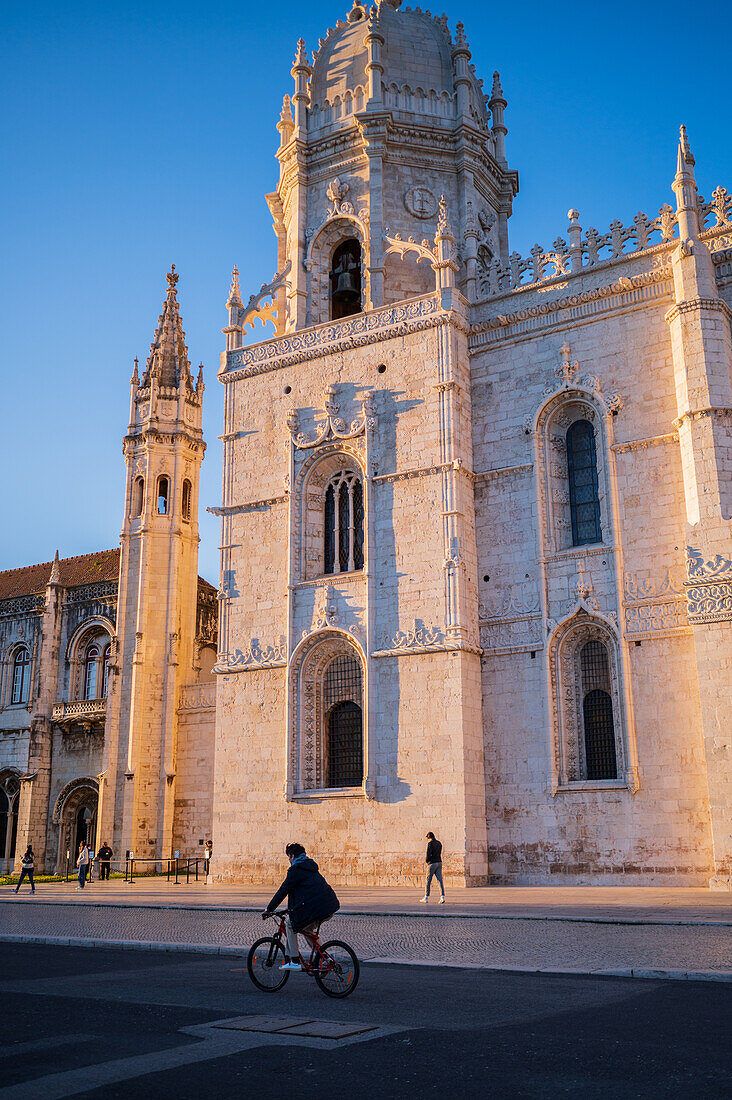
27, 865
104, 855
310, 901
433, 860
207, 853
82, 863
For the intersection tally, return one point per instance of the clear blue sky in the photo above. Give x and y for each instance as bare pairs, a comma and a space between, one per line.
136, 135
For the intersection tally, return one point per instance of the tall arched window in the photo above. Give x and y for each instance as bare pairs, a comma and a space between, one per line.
343, 528
163, 496
597, 713
138, 496
342, 691
91, 670
345, 280
584, 499
105, 670
186, 500
21, 676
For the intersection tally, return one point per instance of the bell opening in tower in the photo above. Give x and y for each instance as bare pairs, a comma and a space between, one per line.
345, 280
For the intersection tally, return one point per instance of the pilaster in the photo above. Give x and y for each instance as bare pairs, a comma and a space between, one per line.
702, 354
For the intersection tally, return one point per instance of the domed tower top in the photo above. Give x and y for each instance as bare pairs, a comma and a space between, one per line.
387, 117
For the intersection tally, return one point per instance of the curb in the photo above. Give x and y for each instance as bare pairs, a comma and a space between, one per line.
243, 951
345, 911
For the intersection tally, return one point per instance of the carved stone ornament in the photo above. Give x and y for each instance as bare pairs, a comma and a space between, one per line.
334, 427
708, 588
420, 202
254, 656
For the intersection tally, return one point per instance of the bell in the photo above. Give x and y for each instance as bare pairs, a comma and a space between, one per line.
345, 286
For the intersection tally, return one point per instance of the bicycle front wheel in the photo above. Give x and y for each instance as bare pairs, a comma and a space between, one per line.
266, 956
339, 970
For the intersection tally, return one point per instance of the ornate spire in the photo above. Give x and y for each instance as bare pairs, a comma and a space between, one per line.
234, 298
135, 380
168, 358
684, 149
55, 577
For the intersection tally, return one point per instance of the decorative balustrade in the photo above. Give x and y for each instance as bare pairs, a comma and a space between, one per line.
197, 697
594, 248
80, 712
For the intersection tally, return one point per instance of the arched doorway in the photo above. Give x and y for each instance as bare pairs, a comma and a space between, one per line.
75, 813
9, 797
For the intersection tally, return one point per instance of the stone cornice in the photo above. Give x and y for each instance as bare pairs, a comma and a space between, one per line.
703, 414
644, 444
623, 294
715, 304
333, 337
426, 471
249, 506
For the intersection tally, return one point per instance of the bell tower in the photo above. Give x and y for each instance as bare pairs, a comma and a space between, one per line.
156, 617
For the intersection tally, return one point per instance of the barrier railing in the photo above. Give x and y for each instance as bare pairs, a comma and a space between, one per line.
173, 865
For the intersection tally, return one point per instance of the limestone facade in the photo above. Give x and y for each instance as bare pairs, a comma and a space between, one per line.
476, 564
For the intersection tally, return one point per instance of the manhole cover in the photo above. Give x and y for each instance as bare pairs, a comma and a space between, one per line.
290, 1025
261, 1023
329, 1029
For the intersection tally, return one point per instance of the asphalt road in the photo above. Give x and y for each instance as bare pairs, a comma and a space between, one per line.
108, 1023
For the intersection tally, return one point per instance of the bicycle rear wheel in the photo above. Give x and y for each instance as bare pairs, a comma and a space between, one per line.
339, 969
266, 956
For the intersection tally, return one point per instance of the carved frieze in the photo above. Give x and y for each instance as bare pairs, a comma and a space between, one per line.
708, 587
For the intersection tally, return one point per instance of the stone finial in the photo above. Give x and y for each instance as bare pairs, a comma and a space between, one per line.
199, 379
234, 298
135, 380
444, 229
496, 90
357, 12
395, 4
172, 279
301, 55
461, 41
55, 577
684, 148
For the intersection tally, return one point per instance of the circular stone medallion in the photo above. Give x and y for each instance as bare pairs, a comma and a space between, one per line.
420, 202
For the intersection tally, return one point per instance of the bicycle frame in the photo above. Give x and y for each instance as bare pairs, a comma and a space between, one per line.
311, 966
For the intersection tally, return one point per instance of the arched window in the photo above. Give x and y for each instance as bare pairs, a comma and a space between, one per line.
597, 713
21, 676
138, 496
163, 494
345, 280
91, 668
105, 670
186, 501
342, 690
343, 528
584, 499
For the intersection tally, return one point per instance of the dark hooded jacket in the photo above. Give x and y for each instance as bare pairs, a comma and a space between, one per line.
310, 898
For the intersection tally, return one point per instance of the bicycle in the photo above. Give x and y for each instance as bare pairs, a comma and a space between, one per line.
333, 965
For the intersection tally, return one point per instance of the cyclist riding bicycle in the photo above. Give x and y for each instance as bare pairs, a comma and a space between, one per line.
310, 901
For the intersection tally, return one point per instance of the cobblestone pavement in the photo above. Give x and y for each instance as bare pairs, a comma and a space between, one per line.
487, 941
645, 904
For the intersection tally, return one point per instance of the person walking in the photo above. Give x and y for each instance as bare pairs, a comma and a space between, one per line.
433, 860
27, 865
82, 863
104, 855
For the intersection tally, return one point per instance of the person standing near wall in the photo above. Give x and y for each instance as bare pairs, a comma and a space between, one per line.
27, 865
104, 856
433, 860
82, 863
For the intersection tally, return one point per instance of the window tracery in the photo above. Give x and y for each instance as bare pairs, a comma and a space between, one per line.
584, 499
186, 500
588, 718
21, 675
343, 523
326, 715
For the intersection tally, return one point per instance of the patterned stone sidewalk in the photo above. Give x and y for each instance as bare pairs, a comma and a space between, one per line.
575, 903
567, 944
